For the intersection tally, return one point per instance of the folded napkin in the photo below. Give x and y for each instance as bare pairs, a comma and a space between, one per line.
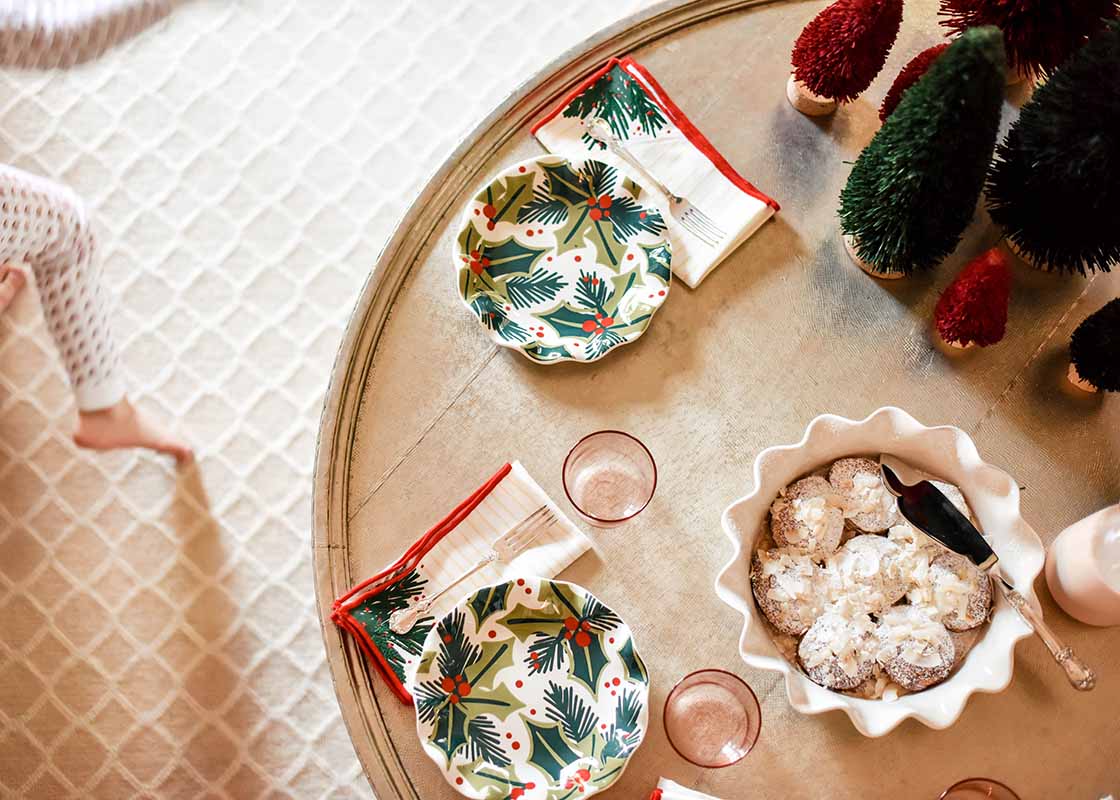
663, 140
454, 545
667, 790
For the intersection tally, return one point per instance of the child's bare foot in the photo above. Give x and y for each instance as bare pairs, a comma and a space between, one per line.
123, 425
12, 278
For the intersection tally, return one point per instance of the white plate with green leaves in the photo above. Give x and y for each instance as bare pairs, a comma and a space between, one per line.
531, 689
563, 260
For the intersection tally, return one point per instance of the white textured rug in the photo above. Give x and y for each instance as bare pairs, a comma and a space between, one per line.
244, 162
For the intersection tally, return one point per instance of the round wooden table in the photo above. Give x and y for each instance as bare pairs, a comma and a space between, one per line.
422, 408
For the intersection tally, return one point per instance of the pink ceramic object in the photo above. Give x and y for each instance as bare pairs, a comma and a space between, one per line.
1083, 568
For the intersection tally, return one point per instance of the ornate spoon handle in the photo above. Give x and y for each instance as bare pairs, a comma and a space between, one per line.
1078, 672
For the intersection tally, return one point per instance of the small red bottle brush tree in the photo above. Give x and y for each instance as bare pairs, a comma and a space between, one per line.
909, 75
840, 52
973, 308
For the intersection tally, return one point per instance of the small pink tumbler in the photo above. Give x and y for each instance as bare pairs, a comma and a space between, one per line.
1083, 568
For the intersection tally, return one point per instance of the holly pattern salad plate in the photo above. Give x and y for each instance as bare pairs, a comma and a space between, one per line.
531, 689
563, 260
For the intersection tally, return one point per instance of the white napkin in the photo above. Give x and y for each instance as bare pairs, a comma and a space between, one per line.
512, 500
662, 139
448, 550
674, 791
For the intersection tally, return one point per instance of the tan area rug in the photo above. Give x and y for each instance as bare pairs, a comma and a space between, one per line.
244, 162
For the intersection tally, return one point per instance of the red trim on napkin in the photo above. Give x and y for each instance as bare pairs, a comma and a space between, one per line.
656, 795
340, 612
678, 118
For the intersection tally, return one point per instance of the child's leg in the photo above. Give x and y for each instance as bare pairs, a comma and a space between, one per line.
12, 278
44, 225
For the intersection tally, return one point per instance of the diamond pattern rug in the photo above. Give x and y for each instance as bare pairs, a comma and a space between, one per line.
244, 163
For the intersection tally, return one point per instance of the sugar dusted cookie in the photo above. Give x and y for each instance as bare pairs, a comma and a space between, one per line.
867, 503
866, 575
807, 517
839, 653
960, 591
787, 587
914, 648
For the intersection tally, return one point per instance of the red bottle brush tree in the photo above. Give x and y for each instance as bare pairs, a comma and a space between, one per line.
1094, 350
843, 48
1038, 35
973, 308
908, 77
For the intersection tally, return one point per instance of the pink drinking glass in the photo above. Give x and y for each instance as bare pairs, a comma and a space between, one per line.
978, 789
609, 477
712, 718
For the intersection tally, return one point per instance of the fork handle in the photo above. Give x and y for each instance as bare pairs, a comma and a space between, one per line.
618, 151
404, 620
1080, 676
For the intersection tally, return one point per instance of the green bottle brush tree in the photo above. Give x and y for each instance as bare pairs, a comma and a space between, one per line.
1055, 184
914, 188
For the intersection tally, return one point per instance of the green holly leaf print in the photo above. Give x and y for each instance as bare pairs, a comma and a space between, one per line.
496, 701
600, 343
525, 622
451, 730
503, 204
635, 670
588, 658
575, 716
659, 257
483, 742
542, 286
544, 208
610, 248
492, 314
576, 230
545, 353
486, 602
509, 256
621, 285
565, 183
483, 780
429, 697
568, 321
548, 750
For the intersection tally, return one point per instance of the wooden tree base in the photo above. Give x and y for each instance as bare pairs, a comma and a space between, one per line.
1076, 379
849, 245
805, 101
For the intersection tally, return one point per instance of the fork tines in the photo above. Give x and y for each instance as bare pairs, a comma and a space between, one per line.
525, 532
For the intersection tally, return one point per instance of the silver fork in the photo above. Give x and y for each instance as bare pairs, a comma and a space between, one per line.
506, 547
689, 216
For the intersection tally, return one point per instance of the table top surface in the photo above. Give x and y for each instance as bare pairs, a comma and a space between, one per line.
423, 407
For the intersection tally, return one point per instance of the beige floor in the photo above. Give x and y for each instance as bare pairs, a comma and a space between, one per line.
244, 161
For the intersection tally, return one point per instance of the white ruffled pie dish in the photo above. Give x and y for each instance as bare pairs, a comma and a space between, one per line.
945, 452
